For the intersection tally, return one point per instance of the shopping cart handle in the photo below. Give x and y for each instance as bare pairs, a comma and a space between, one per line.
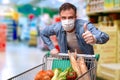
48, 53
97, 56
60, 54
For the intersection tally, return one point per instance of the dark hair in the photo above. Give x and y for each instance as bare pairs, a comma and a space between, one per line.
67, 6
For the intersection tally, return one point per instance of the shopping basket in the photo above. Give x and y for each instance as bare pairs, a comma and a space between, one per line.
59, 61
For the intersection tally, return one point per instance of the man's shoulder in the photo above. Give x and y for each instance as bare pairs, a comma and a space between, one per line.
81, 21
56, 26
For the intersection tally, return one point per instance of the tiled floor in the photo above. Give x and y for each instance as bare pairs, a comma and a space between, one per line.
17, 58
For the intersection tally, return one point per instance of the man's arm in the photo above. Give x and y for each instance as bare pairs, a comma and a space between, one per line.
101, 37
45, 35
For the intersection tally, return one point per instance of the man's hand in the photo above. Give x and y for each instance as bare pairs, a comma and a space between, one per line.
54, 51
88, 36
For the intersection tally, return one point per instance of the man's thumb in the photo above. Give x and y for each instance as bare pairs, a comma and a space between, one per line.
85, 27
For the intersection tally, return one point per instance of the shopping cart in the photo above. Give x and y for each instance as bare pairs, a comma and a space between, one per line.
60, 61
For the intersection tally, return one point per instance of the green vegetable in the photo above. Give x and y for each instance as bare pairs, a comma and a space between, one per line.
56, 73
71, 69
59, 75
62, 75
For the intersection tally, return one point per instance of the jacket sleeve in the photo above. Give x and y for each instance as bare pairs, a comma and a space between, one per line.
101, 37
45, 35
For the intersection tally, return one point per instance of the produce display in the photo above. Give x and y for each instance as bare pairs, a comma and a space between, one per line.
77, 68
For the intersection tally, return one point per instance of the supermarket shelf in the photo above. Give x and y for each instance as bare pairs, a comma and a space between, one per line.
111, 71
117, 10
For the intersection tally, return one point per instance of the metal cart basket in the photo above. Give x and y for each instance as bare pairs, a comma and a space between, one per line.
60, 61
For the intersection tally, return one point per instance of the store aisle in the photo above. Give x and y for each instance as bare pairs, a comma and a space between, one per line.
18, 58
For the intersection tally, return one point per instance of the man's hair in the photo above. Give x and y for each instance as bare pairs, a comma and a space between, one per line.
67, 6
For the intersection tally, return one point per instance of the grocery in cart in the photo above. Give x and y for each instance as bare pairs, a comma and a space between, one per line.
63, 67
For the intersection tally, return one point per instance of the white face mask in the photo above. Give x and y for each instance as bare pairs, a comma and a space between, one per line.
68, 24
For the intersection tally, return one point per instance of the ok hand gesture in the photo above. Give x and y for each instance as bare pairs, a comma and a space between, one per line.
88, 36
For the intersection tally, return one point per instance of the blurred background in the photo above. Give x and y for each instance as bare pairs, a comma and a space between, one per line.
22, 48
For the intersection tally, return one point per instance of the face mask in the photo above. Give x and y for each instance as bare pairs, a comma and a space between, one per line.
68, 24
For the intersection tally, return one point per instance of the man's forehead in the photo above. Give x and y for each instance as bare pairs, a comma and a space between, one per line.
68, 12
70, 9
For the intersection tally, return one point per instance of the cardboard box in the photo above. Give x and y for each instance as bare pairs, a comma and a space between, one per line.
113, 37
111, 28
110, 71
97, 49
109, 49
109, 52
118, 55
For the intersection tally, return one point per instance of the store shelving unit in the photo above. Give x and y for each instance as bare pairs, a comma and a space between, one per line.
114, 10
9, 23
110, 51
33, 32
9, 30
7, 17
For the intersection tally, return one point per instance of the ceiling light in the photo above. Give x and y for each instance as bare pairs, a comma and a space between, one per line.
5, 1
62, 0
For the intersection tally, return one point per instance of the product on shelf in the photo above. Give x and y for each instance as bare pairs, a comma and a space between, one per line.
3, 29
102, 5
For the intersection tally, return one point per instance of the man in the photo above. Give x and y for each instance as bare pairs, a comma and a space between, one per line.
73, 33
